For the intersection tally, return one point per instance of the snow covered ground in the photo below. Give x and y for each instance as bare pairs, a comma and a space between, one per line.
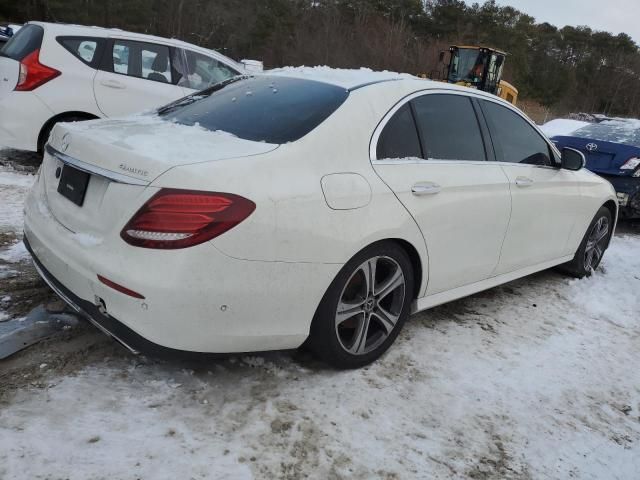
535, 379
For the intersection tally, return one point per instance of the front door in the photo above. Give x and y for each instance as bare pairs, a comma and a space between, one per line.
439, 172
544, 196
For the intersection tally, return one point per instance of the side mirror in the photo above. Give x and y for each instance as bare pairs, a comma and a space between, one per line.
573, 159
441, 56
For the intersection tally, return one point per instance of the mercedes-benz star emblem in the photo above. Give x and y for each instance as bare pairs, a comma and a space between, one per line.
592, 147
66, 140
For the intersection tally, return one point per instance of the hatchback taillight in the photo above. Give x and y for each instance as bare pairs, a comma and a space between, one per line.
183, 218
33, 74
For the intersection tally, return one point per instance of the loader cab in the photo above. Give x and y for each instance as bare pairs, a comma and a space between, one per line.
476, 67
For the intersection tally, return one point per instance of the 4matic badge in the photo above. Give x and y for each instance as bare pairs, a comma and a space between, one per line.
133, 170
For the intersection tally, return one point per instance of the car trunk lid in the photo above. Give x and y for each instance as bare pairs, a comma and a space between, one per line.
122, 158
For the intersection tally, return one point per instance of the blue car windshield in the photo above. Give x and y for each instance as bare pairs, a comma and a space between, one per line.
625, 132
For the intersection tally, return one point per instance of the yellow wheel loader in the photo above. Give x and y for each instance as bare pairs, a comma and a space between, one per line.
477, 67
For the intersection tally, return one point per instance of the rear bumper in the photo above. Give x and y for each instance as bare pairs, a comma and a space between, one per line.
196, 299
628, 192
109, 325
22, 116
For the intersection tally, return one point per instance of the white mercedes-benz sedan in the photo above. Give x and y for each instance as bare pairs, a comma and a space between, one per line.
305, 206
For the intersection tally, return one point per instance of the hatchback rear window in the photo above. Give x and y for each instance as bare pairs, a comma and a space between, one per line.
26, 41
265, 109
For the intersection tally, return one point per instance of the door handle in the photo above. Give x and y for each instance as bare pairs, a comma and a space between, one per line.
113, 84
425, 188
524, 181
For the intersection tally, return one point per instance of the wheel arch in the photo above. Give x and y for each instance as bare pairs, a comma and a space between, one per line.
46, 128
612, 206
416, 263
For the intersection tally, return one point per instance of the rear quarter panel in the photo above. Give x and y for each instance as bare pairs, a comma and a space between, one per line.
292, 221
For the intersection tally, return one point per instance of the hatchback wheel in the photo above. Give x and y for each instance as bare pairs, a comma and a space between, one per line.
364, 308
593, 246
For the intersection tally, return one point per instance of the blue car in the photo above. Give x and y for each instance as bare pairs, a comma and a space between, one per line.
612, 150
5, 35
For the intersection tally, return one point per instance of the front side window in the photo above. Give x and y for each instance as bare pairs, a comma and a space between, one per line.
515, 140
201, 71
142, 60
266, 108
399, 138
448, 127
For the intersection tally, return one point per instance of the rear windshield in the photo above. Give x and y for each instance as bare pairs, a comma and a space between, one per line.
626, 132
264, 108
26, 41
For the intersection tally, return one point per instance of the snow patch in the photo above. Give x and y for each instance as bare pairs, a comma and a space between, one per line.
611, 293
164, 142
15, 253
347, 78
14, 188
87, 240
562, 127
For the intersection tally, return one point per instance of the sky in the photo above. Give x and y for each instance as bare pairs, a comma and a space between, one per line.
613, 16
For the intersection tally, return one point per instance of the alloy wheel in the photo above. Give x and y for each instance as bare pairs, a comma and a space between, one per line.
370, 305
596, 244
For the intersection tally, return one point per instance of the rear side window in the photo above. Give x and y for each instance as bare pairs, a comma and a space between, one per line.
514, 139
86, 49
399, 138
200, 71
143, 60
268, 109
26, 41
448, 127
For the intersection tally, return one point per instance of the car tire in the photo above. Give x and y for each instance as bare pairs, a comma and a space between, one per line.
352, 337
593, 245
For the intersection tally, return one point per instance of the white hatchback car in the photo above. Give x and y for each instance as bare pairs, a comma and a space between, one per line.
305, 206
53, 73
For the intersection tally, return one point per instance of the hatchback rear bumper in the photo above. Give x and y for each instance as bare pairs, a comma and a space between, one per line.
22, 116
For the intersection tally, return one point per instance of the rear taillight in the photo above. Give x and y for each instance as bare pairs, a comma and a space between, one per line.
33, 74
183, 218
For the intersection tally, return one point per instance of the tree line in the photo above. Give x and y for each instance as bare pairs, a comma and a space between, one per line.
571, 69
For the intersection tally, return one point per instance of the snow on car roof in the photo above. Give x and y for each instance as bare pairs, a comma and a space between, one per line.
347, 78
562, 126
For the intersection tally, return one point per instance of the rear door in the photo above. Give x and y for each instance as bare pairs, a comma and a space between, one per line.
437, 168
544, 196
25, 42
135, 76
